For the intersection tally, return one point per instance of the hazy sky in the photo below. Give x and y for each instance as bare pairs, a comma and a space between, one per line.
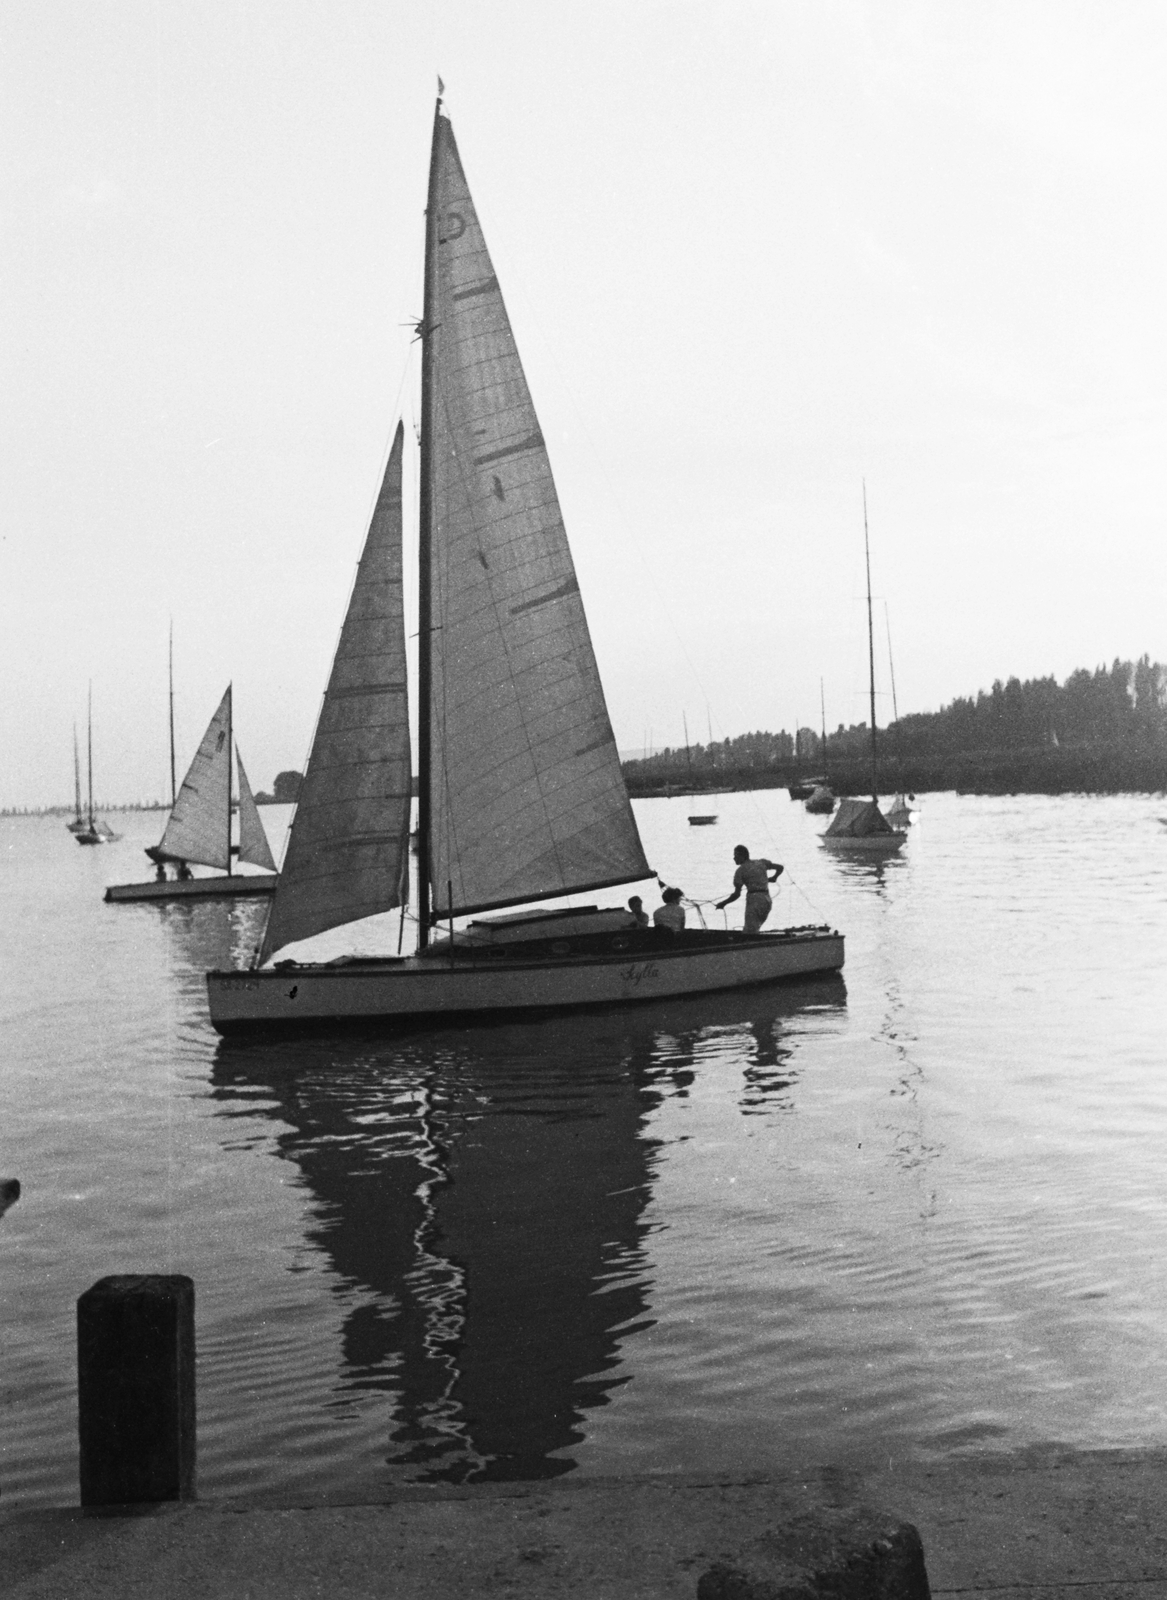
753, 253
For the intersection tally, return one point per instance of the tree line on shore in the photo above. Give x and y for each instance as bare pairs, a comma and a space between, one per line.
1103, 730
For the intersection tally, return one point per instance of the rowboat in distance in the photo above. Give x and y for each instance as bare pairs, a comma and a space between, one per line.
198, 830
804, 788
521, 797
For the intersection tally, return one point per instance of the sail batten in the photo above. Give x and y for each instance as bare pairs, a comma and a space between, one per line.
526, 799
199, 825
347, 854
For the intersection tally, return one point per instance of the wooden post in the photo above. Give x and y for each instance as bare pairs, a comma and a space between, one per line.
136, 1390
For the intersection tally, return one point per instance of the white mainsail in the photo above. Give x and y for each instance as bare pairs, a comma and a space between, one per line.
348, 849
526, 796
199, 828
253, 845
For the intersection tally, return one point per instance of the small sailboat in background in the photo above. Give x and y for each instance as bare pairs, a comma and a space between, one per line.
78, 823
702, 819
859, 826
92, 830
198, 829
821, 800
521, 797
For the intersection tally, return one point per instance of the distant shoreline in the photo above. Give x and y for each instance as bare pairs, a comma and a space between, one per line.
1098, 770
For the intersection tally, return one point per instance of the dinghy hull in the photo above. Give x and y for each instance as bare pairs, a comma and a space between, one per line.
226, 887
295, 998
865, 844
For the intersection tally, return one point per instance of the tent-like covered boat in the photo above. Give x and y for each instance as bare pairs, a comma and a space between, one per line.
861, 825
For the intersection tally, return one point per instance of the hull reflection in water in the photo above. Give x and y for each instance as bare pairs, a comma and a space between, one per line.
485, 1194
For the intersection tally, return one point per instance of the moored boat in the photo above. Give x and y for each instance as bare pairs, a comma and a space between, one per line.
78, 824
520, 792
804, 788
90, 829
901, 811
859, 825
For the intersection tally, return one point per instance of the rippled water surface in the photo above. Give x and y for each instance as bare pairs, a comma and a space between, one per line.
918, 1210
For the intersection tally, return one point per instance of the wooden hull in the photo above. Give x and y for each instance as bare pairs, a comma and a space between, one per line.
294, 998
226, 887
865, 844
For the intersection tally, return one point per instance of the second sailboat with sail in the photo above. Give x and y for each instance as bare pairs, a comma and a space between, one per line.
198, 829
521, 795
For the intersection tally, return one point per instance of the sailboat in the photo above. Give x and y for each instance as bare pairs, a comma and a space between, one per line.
520, 793
821, 800
859, 826
93, 829
78, 823
199, 829
699, 819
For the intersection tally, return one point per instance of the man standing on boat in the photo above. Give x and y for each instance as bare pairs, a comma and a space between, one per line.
755, 877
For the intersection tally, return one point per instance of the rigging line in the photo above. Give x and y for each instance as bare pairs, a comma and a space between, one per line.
794, 884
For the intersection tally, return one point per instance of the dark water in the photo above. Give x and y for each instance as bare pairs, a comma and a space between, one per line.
918, 1211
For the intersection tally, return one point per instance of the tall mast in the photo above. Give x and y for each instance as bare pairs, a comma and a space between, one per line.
76, 778
895, 710
229, 748
870, 648
173, 785
89, 712
425, 544
823, 710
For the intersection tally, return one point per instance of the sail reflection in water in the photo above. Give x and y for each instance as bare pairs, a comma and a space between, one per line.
487, 1194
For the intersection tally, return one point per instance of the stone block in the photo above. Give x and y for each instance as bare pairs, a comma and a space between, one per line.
831, 1554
